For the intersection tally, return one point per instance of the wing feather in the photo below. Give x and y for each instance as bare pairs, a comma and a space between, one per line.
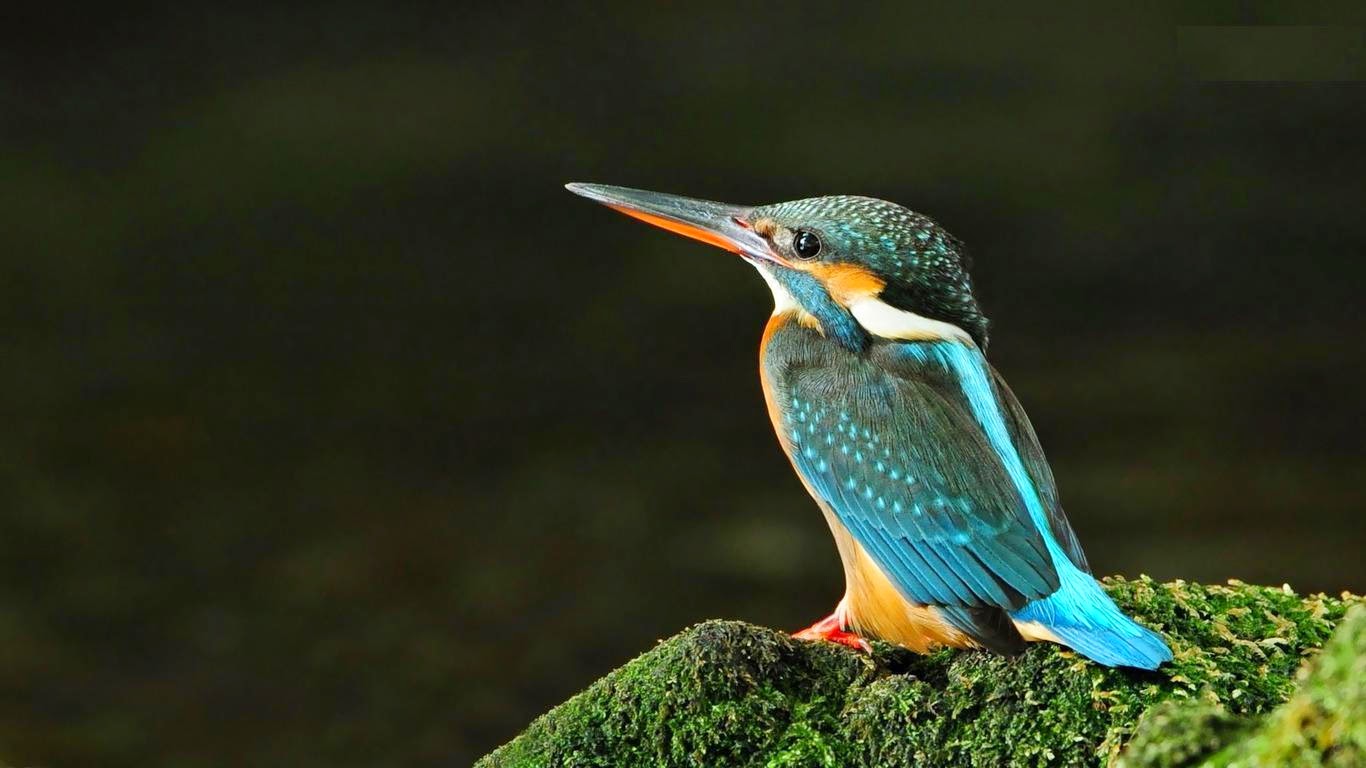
1031, 454
902, 463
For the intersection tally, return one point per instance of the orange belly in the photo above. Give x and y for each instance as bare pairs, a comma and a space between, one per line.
873, 607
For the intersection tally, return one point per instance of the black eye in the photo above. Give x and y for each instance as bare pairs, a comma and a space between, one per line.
806, 244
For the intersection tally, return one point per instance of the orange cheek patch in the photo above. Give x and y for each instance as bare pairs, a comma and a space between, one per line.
848, 283
680, 228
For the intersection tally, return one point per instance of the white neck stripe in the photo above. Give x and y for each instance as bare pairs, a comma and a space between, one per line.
877, 317
882, 319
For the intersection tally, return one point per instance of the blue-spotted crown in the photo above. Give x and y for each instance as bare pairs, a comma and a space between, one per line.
925, 267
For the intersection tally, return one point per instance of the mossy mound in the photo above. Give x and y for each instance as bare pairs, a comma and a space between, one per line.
725, 693
1322, 724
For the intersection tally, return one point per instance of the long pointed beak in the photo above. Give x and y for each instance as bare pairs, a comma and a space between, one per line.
724, 226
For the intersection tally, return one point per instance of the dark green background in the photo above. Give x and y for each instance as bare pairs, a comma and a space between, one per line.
336, 433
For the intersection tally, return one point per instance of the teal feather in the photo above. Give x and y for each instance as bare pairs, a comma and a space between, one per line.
1079, 613
925, 456
907, 471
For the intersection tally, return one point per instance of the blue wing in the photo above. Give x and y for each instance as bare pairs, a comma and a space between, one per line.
897, 455
1031, 455
1079, 614
926, 457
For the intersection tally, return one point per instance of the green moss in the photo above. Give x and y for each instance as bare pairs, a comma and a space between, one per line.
1324, 722
729, 694
1181, 732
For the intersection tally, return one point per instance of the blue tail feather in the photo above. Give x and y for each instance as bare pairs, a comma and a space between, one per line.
1079, 613
1085, 618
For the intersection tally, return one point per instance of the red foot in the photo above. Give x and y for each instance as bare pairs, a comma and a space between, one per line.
831, 628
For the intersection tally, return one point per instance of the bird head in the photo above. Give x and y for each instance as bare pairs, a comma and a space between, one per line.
853, 268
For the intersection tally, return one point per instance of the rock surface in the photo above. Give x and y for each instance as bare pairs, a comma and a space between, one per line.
1247, 687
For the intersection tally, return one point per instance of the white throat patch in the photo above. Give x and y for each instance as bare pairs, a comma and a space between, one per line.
782, 299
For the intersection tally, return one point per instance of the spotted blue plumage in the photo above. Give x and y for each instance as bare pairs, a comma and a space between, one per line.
901, 463
1079, 613
931, 465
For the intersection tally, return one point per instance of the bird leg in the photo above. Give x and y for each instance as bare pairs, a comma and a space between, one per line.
831, 628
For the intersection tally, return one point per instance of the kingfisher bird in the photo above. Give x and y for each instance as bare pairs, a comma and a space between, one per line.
943, 507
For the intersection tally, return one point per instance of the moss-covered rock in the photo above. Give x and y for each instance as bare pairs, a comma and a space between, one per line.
1322, 724
725, 693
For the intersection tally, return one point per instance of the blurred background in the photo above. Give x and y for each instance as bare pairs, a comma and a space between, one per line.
336, 433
